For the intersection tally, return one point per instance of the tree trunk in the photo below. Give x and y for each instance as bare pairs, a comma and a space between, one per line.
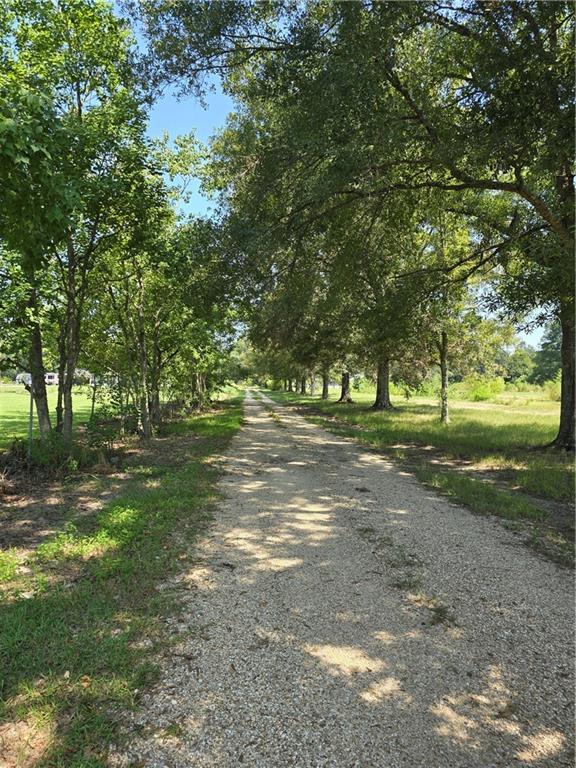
345, 396
143, 373
144, 414
290, 385
443, 350
68, 412
303, 385
72, 344
94, 390
37, 380
312, 383
565, 437
121, 406
61, 371
72, 352
201, 389
155, 410
325, 385
143, 393
382, 402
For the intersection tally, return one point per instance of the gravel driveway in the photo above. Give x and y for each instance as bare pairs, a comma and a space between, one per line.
341, 614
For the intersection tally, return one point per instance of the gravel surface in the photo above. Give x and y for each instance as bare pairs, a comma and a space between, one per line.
341, 614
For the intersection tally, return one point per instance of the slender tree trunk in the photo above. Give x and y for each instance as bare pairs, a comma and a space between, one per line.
72, 337
143, 408
143, 393
565, 437
202, 389
143, 374
122, 407
290, 385
345, 396
312, 383
382, 402
93, 404
37, 380
72, 352
325, 385
443, 350
155, 410
303, 385
61, 372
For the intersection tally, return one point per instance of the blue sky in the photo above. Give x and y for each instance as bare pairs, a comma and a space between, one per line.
180, 116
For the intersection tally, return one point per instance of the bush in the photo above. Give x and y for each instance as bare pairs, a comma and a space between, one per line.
52, 453
553, 388
521, 385
478, 388
486, 389
102, 430
430, 386
399, 389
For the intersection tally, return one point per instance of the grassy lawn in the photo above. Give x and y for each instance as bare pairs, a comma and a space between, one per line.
81, 615
486, 446
15, 405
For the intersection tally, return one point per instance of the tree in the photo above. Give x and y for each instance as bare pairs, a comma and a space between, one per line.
469, 98
79, 54
548, 359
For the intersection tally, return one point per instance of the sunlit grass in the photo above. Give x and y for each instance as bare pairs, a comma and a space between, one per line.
8, 564
481, 496
15, 407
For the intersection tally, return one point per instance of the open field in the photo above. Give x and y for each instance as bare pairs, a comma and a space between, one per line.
489, 457
15, 404
81, 614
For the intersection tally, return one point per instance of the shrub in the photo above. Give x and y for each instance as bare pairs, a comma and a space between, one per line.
430, 386
102, 430
478, 388
521, 385
486, 388
52, 453
553, 388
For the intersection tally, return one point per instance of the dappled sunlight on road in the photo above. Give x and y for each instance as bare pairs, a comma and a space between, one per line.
344, 659
385, 689
462, 716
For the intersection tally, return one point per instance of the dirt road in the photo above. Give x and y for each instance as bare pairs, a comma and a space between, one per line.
341, 614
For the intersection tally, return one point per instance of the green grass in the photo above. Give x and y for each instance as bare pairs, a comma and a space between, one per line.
498, 436
15, 405
481, 496
71, 625
8, 565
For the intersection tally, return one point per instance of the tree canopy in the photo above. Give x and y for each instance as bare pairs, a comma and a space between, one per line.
394, 186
